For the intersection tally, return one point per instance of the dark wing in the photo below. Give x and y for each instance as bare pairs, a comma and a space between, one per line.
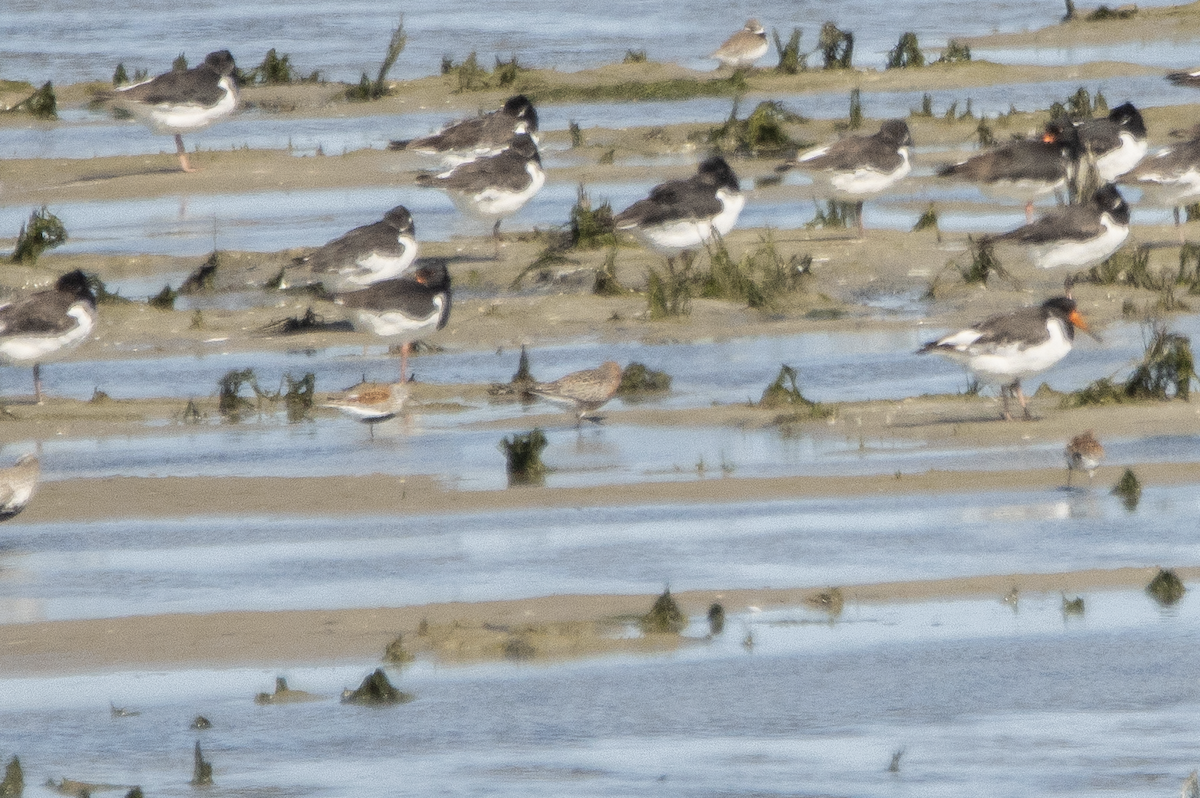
459, 136
1073, 222
1018, 160
1184, 78
42, 313
354, 245
505, 171
1027, 325
671, 202
855, 152
1171, 163
401, 294
199, 86
1099, 135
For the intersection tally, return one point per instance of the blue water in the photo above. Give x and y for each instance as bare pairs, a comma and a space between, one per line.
980, 699
69, 41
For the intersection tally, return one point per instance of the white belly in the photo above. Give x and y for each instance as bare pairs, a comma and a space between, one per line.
674, 237
1081, 254
497, 204
1116, 163
375, 267
40, 348
870, 181
170, 119
1004, 364
394, 324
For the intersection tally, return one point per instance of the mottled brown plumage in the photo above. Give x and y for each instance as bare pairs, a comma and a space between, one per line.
1083, 453
584, 390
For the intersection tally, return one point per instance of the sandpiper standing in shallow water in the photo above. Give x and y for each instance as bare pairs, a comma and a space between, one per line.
495, 187
584, 391
1009, 347
184, 101
371, 402
1083, 453
403, 309
743, 48
365, 255
42, 325
681, 215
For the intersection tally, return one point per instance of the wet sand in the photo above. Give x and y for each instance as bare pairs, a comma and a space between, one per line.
553, 626
884, 261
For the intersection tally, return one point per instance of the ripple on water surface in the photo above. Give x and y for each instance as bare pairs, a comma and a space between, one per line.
977, 695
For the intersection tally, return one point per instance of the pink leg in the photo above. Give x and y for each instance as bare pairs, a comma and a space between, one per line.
183, 161
1024, 402
404, 347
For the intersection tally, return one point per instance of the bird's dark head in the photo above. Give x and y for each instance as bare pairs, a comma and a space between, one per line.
220, 62
1128, 118
895, 131
433, 275
523, 145
1065, 135
1065, 309
400, 220
1110, 201
521, 108
716, 172
76, 284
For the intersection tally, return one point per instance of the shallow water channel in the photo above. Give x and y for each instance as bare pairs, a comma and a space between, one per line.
978, 697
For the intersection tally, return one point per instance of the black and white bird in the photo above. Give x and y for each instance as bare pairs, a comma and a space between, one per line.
1025, 168
404, 308
494, 187
858, 166
48, 323
1009, 347
481, 137
1117, 143
681, 215
1189, 79
1171, 175
184, 101
743, 48
1076, 235
365, 255
17, 485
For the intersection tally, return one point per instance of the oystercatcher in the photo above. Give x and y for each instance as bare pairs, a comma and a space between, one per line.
365, 255
45, 324
403, 308
1076, 235
481, 137
181, 102
494, 187
682, 214
1010, 347
861, 165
